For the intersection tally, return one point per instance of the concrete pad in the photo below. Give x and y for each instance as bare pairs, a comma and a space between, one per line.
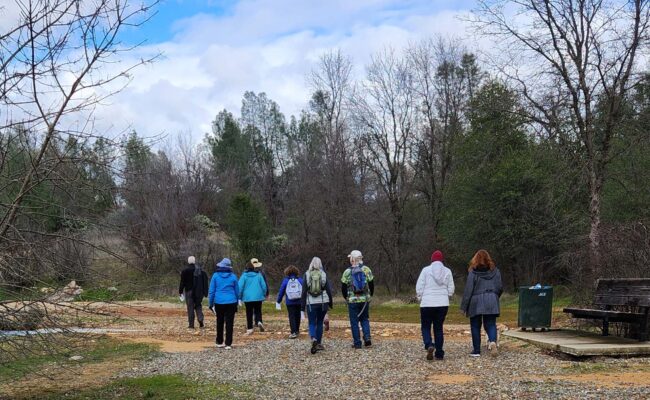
582, 344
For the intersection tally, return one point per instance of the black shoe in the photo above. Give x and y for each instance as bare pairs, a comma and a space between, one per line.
190, 327
314, 347
367, 343
354, 346
430, 353
201, 324
440, 358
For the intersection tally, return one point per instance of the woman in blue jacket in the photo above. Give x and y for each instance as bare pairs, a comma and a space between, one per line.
252, 291
291, 288
222, 299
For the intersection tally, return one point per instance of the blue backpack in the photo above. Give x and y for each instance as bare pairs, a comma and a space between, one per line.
359, 280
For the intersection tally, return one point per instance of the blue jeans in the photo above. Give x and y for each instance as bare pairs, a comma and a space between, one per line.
489, 322
433, 316
316, 314
358, 316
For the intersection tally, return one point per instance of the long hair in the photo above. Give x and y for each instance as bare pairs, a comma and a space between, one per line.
481, 258
291, 270
316, 263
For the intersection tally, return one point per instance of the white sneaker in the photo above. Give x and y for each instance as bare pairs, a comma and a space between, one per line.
249, 332
220, 346
492, 349
261, 326
228, 348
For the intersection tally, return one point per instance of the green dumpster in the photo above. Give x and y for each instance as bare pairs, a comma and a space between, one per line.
535, 307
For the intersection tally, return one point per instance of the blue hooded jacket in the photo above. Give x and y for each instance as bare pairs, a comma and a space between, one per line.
223, 287
283, 289
252, 286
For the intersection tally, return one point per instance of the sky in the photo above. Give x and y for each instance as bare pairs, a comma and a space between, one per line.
212, 51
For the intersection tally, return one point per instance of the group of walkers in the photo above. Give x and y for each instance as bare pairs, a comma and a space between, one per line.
310, 296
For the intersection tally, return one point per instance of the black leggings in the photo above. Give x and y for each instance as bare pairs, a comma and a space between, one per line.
294, 318
253, 311
225, 314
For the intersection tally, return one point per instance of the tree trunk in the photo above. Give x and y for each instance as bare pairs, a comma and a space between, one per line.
595, 190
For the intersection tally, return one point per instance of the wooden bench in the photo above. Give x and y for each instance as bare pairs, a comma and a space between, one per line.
631, 294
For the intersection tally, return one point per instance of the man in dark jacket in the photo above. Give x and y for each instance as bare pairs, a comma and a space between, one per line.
194, 285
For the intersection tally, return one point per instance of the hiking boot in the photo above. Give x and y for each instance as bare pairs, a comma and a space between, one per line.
367, 343
201, 325
261, 326
430, 353
314, 347
354, 346
320, 347
220, 346
492, 349
249, 332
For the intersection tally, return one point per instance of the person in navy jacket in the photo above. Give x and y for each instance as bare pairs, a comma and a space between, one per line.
222, 299
291, 289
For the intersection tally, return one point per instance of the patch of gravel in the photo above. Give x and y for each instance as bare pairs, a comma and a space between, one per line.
391, 369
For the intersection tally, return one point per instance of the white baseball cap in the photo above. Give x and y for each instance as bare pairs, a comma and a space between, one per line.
191, 260
355, 254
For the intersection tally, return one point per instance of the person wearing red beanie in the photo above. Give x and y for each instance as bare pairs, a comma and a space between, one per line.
434, 288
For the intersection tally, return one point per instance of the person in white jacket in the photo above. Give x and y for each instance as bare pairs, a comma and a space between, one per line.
434, 288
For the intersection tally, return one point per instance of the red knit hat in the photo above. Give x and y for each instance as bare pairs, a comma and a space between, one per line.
437, 256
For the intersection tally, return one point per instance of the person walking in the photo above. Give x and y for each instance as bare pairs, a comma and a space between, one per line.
291, 288
434, 287
316, 300
222, 299
252, 291
481, 300
357, 287
192, 289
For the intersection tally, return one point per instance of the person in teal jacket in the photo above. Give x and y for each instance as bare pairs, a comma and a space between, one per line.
252, 291
222, 300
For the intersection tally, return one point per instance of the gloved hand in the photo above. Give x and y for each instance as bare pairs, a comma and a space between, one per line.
181, 297
302, 315
278, 306
212, 309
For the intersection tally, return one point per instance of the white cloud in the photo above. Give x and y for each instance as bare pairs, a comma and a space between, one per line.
264, 47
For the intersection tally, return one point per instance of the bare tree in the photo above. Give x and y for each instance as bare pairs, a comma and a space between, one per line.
577, 61
444, 77
58, 62
386, 121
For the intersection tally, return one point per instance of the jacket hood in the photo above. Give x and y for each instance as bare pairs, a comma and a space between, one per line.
439, 272
251, 272
224, 272
486, 274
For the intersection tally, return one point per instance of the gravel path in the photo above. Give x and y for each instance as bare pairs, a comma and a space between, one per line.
395, 369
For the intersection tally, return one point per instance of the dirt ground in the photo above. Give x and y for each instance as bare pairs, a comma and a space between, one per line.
164, 324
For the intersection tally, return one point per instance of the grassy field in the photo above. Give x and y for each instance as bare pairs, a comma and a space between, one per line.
384, 309
168, 387
39, 354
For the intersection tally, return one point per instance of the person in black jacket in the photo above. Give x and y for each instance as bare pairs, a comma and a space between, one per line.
194, 285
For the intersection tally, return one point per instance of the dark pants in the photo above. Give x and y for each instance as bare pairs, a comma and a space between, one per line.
433, 316
193, 306
225, 314
253, 311
294, 318
316, 314
489, 324
359, 313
